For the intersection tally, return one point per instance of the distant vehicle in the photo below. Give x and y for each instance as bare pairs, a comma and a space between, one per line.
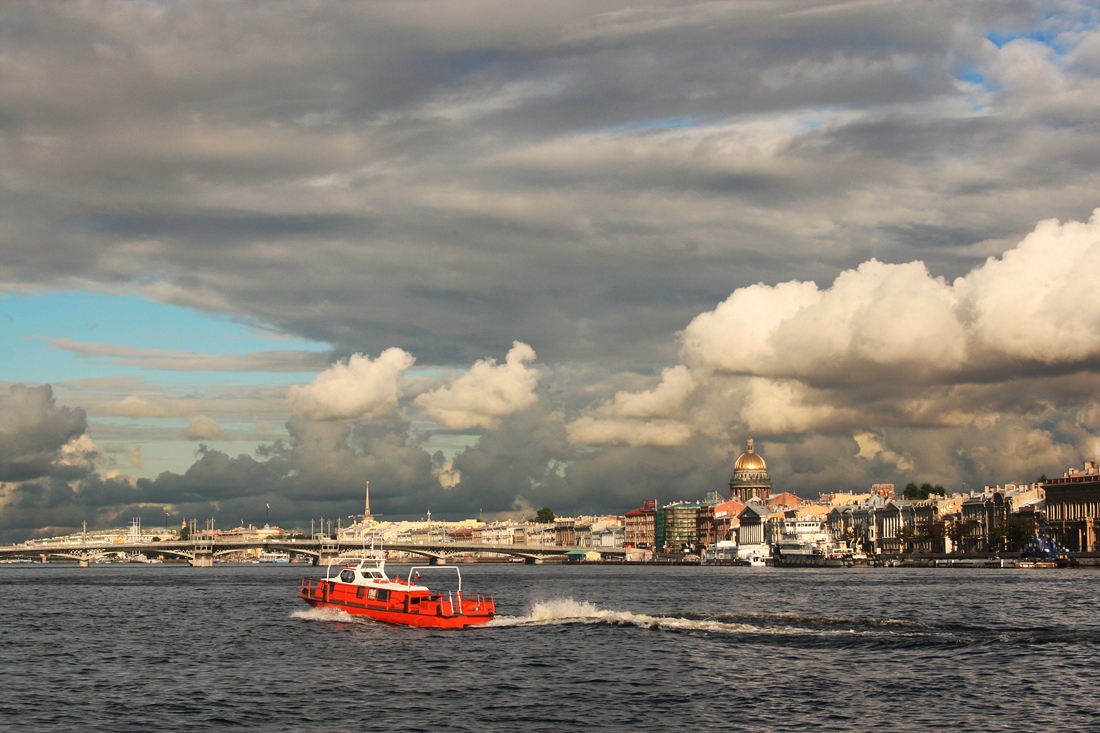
1042, 552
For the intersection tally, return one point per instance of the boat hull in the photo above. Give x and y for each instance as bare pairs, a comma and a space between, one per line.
401, 618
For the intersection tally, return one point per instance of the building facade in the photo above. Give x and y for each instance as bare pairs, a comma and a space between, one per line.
1073, 508
676, 527
641, 526
750, 476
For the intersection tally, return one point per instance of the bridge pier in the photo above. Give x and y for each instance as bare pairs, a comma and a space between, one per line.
438, 561
203, 560
532, 561
322, 560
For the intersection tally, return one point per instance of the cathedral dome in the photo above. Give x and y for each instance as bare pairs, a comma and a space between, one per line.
750, 460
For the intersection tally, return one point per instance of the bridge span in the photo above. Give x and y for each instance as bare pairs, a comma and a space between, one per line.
201, 551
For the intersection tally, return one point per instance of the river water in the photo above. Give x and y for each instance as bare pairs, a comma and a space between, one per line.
581, 648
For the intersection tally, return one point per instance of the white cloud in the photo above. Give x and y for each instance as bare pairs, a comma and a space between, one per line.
203, 428
79, 452
618, 431
134, 406
787, 406
356, 389
485, 393
448, 475
640, 418
882, 322
871, 447
1031, 304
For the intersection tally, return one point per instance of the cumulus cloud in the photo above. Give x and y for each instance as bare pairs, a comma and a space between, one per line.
640, 418
787, 406
486, 392
355, 389
884, 322
445, 471
79, 453
1027, 305
871, 448
38, 438
202, 428
884, 342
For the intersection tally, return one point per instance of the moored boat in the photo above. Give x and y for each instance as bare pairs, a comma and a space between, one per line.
359, 586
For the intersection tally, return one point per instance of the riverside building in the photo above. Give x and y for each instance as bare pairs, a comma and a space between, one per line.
1073, 508
641, 526
750, 476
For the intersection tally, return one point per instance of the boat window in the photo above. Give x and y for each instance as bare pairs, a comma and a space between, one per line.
373, 593
359, 591
347, 576
383, 595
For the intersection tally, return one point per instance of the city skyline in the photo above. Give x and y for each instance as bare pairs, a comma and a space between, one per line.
493, 257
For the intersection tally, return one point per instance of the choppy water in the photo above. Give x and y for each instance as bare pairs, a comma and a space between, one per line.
138, 648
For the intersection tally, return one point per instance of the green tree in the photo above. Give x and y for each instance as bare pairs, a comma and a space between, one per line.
1019, 531
958, 531
932, 533
545, 515
854, 537
904, 536
185, 533
997, 536
925, 490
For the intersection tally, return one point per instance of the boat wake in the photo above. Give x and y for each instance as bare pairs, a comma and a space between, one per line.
562, 611
795, 628
325, 614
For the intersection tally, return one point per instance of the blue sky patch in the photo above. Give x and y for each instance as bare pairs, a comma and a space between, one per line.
28, 321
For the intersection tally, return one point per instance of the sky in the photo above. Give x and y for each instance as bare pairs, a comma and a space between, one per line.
495, 256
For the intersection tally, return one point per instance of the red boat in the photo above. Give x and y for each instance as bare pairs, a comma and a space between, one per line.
361, 587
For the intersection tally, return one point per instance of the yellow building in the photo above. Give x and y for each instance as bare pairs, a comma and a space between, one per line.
750, 476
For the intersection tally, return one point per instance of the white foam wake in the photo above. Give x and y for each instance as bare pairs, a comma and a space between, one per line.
568, 611
562, 611
325, 614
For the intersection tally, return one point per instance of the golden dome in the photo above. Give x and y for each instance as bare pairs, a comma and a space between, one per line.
750, 460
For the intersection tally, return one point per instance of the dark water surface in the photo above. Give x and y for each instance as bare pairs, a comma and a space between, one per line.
140, 648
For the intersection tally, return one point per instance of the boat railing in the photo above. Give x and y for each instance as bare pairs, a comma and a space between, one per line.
414, 571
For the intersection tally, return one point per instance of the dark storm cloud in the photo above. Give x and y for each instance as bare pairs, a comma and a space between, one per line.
587, 177
432, 176
33, 430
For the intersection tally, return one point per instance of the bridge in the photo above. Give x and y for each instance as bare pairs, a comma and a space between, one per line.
201, 550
